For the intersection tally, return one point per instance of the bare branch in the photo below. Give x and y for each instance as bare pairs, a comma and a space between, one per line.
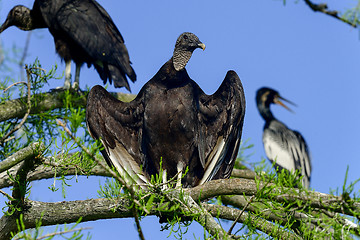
25, 153
14, 84
242, 211
243, 173
323, 8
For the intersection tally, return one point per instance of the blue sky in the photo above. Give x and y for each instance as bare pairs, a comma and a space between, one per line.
311, 59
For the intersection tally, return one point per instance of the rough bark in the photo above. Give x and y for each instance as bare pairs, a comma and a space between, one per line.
94, 209
48, 101
20, 156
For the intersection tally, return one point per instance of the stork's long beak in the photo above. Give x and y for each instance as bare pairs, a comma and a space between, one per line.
277, 101
202, 46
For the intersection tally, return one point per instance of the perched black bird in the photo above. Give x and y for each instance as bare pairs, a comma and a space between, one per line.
83, 32
285, 147
171, 120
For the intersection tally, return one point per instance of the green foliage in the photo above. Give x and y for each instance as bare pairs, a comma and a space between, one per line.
244, 157
37, 127
352, 14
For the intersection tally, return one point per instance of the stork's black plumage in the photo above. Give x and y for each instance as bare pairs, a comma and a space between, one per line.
83, 32
172, 120
285, 147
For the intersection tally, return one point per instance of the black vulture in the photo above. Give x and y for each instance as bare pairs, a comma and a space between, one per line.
171, 122
83, 32
285, 148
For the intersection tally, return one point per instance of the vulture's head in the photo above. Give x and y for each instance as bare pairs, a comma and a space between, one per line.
19, 16
184, 47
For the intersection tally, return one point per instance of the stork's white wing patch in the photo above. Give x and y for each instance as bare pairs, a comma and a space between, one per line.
275, 152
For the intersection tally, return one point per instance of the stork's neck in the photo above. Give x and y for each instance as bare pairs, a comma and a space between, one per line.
265, 112
181, 58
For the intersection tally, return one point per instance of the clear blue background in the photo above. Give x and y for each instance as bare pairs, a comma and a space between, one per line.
310, 58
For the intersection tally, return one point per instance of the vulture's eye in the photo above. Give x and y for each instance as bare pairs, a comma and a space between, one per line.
186, 37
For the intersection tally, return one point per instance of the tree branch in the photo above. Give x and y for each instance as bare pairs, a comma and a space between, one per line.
261, 224
287, 195
65, 212
323, 8
28, 152
208, 190
274, 215
204, 217
243, 173
94, 209
48, 101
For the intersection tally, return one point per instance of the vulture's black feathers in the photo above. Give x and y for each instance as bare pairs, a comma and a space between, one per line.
171, 120
83, 32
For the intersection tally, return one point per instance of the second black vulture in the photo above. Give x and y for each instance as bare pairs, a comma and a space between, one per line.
83, 32
171, 121
286, 148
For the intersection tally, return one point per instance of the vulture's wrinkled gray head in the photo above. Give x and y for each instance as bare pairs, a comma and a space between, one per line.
20, 17
184, 47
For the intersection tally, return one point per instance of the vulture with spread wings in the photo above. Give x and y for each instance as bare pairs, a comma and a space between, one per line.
171, 124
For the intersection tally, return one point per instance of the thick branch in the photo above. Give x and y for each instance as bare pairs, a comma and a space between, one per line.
58, 213
47, 101
250, 187
21, 155
50, 170
94, 209
274, 215
65, 212
210, 189
68, 212
243, 173
227, 213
